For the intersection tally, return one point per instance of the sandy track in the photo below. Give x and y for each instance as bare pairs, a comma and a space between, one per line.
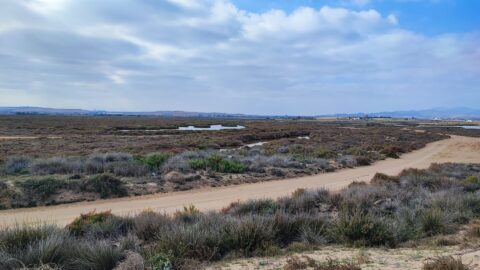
456, 149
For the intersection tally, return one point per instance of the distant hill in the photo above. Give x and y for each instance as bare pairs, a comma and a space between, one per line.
51, 111
440, 113
436, 113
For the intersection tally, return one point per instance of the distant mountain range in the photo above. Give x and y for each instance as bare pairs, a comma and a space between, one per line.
440, 113
436, 113
52, 111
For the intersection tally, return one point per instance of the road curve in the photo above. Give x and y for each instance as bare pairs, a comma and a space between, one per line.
456, 149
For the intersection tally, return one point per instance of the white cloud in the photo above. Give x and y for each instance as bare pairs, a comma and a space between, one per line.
392, 19
209, 55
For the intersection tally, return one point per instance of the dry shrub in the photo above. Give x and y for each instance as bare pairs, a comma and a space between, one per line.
382, 179
133, 261
305, 262
445, 263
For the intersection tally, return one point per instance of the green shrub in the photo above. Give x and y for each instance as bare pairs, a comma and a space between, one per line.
106, 185
155, 160
321, 153
434, 221
42, 188
361, 229
471, 202
100, 225
471, 184
29, 246
217, 164
19, 237
80, 224
160, 262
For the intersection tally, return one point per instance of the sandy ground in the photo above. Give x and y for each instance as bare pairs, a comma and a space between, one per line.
367, 259
466, 247
456, 149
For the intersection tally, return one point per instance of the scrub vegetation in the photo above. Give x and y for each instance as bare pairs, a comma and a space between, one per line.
389, 212
73, 159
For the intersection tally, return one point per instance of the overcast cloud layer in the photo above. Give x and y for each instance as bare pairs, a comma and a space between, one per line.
208, 55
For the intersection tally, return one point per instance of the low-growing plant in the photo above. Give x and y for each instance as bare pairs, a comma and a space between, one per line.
445, 263
101, 224
17, 165
106, 185
57, 165
217, 164
41, 188
155, 160
361, 229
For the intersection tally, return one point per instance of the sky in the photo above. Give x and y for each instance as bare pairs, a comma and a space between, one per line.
296, 57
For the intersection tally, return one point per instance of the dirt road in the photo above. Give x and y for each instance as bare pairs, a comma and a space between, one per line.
456, 149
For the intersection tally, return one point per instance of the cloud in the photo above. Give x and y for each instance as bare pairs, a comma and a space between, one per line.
209, 55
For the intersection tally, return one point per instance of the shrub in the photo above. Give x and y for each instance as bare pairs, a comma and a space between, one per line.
259, 207
106, 186
434, 221
474, 231
471, 184
17, 165
29, 246
127, 168
321, 153
363, 161
149, 224
155, 160
177, 163
471, 202
133, 261
117, 157
382, 179
42, 188
188, 214
94, 164
348, 161
392, 151
217, 164
80, 224
160, 262
305, 262
361, 229
57, 165
19, 237
102, 224
249, 235
97, 255
445, 263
